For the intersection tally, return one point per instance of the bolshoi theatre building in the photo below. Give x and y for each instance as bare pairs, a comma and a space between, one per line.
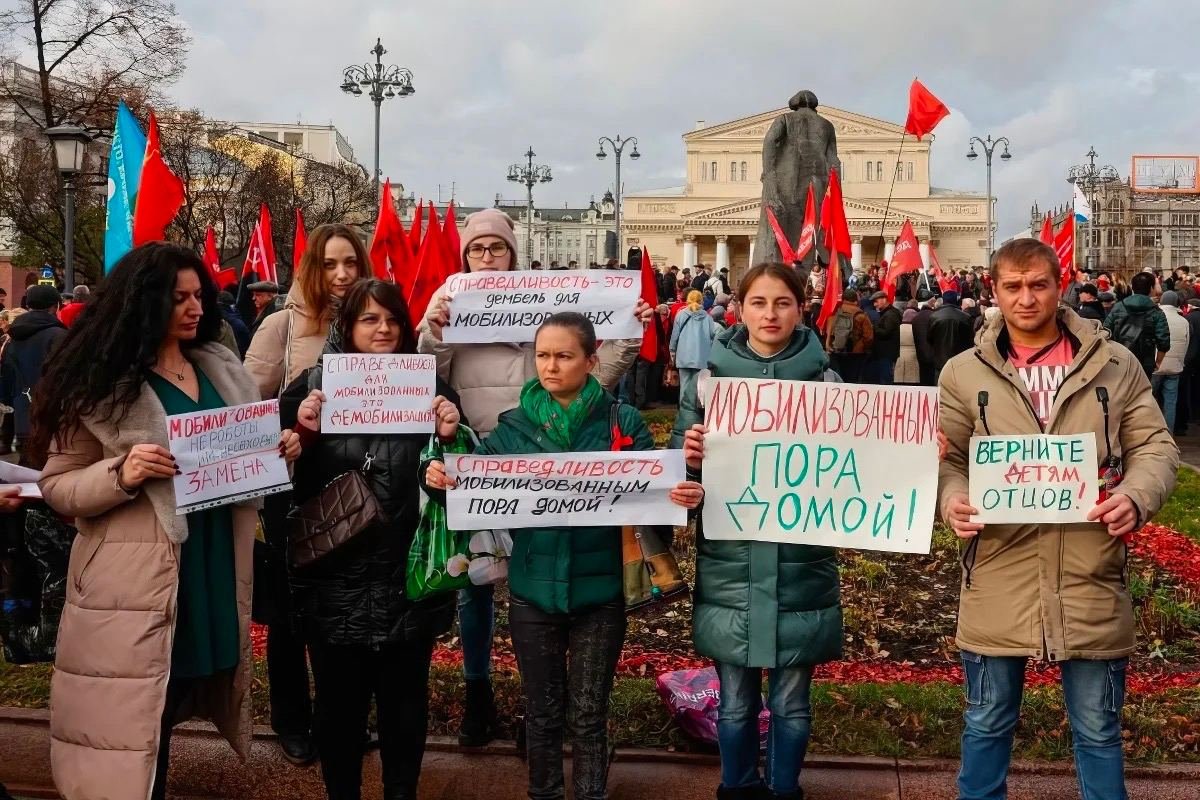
713, 218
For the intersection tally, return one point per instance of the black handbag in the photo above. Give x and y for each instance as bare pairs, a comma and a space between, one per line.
338, 513
34, 583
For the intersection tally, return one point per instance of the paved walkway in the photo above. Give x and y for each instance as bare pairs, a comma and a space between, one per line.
1189, 448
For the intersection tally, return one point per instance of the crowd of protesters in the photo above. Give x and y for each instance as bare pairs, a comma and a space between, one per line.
156, 618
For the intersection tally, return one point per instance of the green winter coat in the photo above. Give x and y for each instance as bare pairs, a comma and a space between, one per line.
762, 604
566, 570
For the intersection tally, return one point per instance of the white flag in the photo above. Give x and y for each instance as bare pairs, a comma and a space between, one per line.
1083, 209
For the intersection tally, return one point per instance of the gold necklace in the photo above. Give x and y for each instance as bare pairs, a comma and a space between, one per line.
179, 376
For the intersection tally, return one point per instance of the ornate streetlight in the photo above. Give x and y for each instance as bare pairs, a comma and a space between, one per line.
1089, 178
618, 145
382, 82
70, 146
989, 146
529, 174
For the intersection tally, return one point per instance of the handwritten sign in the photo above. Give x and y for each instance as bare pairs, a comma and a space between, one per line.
367, 393
564, 489
831, 464
509, 306
1033, 479
227, 455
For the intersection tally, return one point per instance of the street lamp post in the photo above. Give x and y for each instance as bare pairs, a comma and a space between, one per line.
618, 145
1089, 177
70, 145
529, 174
383, 82
988, 147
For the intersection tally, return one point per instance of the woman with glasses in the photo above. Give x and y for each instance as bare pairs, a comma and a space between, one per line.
488, 379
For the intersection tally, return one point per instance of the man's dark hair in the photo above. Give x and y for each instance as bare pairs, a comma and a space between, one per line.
850, 296
1142, 283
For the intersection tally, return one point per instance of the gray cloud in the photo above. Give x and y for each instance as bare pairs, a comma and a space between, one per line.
493, 78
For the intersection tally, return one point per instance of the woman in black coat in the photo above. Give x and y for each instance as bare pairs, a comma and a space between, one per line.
365, 636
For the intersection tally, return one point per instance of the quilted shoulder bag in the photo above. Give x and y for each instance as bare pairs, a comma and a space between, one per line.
341, 511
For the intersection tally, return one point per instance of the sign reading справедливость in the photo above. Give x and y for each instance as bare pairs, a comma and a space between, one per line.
227, 455
367, 393
509, 306
1039, 478
564, 489
831, 464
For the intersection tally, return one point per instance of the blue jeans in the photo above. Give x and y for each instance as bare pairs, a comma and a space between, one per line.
1094, 691
476, 621
737, 725
1166, 387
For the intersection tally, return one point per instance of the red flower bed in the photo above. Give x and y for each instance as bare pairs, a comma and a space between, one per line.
1170, 550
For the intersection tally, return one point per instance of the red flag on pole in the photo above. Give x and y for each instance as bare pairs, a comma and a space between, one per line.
785, 249
160, 195
268, 235
1064, 248
925, 111
808, 231
649, 351
221, 277
906, 259
256, 255
414, 235
1047, 236
299, 243
452, 240
430, 270
837, 240
389, 247
945, 282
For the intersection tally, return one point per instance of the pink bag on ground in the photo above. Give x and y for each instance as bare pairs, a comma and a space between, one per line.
693, 696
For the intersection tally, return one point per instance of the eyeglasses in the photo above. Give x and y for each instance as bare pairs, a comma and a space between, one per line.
497, 249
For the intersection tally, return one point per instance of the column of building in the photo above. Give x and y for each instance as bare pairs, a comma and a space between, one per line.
689, 251
722, 253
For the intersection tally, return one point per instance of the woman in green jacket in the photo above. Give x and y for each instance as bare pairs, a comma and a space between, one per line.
567, 594
762, 605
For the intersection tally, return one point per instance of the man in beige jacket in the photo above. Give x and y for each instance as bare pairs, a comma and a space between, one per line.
1050, 592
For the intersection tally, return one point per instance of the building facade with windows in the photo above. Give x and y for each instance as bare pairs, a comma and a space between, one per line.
713, 217
323, 143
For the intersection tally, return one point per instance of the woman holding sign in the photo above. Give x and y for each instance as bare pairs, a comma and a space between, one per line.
567, 592
364, 636
490, 378
762, 605
156, 624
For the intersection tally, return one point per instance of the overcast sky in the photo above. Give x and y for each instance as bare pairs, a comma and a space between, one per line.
493, 78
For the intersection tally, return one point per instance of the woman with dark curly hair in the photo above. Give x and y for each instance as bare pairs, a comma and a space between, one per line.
155, 628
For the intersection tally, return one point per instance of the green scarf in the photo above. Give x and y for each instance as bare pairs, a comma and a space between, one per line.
560, 424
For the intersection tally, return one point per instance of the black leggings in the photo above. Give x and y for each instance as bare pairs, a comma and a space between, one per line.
177, 691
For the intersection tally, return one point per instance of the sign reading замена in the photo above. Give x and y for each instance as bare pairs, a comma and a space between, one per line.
509, 306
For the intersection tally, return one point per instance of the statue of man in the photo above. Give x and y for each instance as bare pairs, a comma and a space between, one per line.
799, 149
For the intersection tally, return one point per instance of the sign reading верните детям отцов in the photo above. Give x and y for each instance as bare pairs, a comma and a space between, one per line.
368, 393
509, 306
227, 455
832, 464
564, 489
1039, 478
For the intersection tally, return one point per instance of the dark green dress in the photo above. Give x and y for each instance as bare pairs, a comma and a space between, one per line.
206, 628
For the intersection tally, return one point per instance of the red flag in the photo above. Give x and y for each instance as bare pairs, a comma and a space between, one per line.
837, 239
808, 231
451, 238
390, 254
1064, 248
256, 255
786, 253
264, 224
414, 235
430, 271
222, 277
905, 259
1047, 236
160, 194
299, 243
925, 111
946, 283
649, 351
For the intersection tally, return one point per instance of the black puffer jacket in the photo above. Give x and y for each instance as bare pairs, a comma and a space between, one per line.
33, 335
356, 595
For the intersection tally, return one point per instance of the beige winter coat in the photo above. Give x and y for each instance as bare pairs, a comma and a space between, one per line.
114, 644
489, 377
908, 370
1053, 592
286, 344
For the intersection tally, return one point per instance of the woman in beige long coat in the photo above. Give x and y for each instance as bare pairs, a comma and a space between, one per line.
156, 624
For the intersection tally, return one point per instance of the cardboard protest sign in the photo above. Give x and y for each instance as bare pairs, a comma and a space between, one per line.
1040, 478
831, 464
509, 306
227, 455
367, 393
564, 489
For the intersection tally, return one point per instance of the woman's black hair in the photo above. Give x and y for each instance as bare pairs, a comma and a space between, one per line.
389, 296
576, 322
100, 365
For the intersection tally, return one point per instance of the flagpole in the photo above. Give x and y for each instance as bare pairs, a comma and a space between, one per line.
886, 208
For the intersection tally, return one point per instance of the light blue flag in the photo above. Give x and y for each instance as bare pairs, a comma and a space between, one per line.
124, 177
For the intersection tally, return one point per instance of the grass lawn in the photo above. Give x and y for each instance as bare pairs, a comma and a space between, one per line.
1182, 511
